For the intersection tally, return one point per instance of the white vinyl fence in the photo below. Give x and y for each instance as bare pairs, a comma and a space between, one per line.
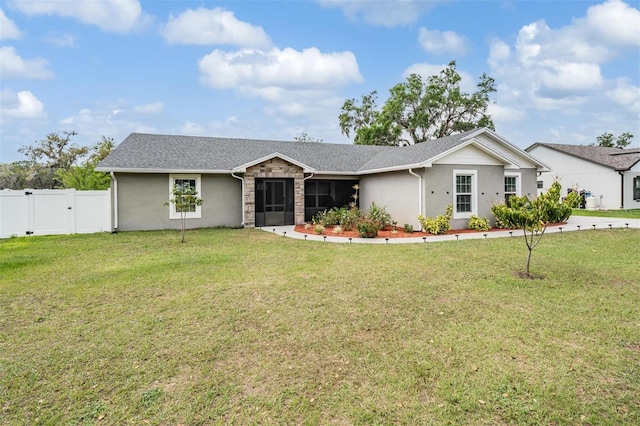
54, 211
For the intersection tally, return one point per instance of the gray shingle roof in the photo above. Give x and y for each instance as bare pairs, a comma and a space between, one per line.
615, 158
147, 152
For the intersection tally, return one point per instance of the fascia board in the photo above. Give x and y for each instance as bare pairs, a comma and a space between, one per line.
328, 172
392, 169
152, 170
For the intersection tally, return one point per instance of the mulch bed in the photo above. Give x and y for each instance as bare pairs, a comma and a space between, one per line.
386, 233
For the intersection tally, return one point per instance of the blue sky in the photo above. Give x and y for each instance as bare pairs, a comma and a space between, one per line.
566, 71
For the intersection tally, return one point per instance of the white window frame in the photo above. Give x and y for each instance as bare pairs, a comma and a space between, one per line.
518, 177
474, 194
173, 214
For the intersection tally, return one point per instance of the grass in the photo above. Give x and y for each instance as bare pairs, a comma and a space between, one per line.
629, 214
246, 327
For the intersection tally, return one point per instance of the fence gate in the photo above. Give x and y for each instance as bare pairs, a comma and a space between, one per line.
54, 211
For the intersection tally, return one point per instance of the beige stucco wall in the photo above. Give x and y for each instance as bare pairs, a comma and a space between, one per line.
439, 190
141, 199
397, 191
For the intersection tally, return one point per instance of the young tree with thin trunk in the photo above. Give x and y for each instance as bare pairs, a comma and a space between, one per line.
533, 216
184, 199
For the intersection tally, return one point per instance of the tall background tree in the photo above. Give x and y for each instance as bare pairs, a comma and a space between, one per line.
84, 176
417, 111
304, 137
47, 156
609, 141
53, 163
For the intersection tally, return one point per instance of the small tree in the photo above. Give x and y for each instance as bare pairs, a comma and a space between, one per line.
185, 199
533, 216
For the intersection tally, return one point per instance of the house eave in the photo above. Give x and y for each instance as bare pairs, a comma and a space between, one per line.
159, 170
392, 169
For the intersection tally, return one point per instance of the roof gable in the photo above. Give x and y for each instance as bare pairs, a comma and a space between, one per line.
243, 168
472, 151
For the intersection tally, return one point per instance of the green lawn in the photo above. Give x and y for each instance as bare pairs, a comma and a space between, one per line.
629, 214
246, 327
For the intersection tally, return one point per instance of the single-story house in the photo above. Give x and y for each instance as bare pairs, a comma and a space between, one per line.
611, 176
254, 183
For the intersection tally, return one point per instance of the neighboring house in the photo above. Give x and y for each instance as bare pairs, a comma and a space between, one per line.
266, 183
611, 175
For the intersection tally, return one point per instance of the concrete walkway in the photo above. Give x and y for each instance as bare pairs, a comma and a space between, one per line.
575, 223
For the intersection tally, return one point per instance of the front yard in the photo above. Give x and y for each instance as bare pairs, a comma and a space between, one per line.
246, 327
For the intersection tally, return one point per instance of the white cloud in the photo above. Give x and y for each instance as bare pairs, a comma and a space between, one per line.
626, 95
191, 129
499, 52
500, 114
268, 73
435, 41
152, 108
384, 13
120, 16
561, 68
61, 40
21, 105
614, 21
569, 76
214, 26
117, 123
8, 28
13, 66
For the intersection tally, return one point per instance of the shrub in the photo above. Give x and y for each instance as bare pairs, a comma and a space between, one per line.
478, 223
368, 228
503, 215
326, 218
440, 224
318, 229
337, 229
343, 216
408, 228
379, 215
349, 218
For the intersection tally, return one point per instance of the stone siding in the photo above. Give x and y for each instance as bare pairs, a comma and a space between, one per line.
272, 169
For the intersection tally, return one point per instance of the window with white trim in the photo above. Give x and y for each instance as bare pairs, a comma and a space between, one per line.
636, 188
465, 193
193, 211
511, 185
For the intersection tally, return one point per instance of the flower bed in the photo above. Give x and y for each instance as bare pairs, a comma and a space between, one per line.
386, 232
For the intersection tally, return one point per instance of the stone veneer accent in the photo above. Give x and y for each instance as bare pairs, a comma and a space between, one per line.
273, 168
